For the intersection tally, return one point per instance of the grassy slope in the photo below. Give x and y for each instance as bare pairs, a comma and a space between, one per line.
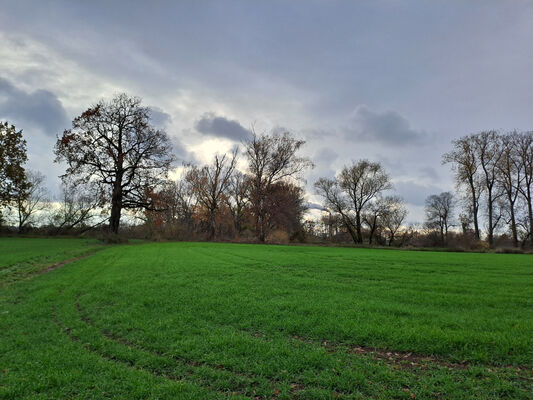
21, 258
188, 320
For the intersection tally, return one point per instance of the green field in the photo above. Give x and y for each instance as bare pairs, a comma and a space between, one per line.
213, 321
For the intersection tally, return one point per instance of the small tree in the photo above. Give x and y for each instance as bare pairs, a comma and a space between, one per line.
30, 200
114, 146
439, 213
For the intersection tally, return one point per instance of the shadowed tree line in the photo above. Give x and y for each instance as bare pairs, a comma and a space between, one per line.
117, 175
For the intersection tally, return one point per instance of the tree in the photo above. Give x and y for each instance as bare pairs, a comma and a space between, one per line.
13, 156
439, 213
76, 207
394, 217
510, 179
238, 198
271, 159
524, 154
31, 199
114, 146
486, 145
210, 184
336, 203
363, 181
285, 207
466, 165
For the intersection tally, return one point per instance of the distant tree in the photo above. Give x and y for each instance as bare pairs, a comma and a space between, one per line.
439, 213
76, 207
271, 159
466, 166
13, 156
114, 146
284, 208
363, 181
394, 217
31, 199
210, 185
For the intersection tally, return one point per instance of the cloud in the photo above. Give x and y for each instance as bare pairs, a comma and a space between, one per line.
159, 118
211, 124
39, 108
415, 193
388, 128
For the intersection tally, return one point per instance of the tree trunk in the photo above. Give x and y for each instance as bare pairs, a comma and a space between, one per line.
474, 209
358, 227
491, 228
116, 206
530, 214
212, 223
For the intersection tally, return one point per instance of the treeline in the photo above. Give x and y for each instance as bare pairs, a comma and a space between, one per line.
117, 177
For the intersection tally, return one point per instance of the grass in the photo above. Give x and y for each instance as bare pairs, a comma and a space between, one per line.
212, 321
21, 258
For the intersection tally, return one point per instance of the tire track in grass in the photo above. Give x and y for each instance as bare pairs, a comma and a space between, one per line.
277, 386
182, 375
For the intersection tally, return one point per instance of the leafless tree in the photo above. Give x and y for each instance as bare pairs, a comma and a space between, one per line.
76, 207
489, 153
394, 217
336, 203
31, 199
466, 166
114, 145
210, 184
271, 159
238, 198
524, 154
363, 181
510, 178
439, 213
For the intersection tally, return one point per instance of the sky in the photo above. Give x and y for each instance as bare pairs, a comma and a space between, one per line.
390, 81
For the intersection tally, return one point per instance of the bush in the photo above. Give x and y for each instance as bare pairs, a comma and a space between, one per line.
278, 237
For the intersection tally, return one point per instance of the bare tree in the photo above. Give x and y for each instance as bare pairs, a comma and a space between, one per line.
271, 159
210, 184
510, 178
363, 181
76, 207
439, 213
466, 167
30, 200
486, 145
336, 203
113, 145
238, 198
394, 217
524, 154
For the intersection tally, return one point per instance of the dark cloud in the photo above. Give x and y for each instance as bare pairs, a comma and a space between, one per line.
40, 108
211, 124
160, 119
388, 128
415, 193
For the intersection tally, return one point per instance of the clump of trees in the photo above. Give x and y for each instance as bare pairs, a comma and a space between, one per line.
494, 179
355, 200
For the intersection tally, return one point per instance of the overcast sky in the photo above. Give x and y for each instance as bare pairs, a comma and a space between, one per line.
392, 81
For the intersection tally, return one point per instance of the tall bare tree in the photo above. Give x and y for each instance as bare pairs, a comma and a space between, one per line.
439, 213
271, 159
524, 154
210, 184
510, 179
489, 153
466, 166
394, 218
114, 145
